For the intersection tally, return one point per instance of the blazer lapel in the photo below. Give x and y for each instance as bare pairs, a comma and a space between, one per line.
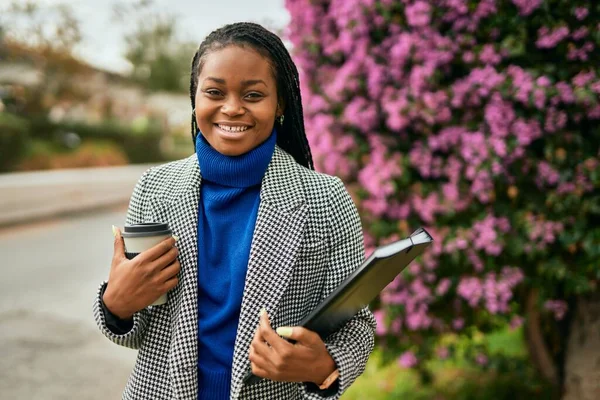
178, 205
277, 235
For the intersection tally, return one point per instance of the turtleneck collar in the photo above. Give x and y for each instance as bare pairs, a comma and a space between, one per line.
235, 171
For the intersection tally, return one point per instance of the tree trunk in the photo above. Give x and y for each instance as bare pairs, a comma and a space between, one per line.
538, 350
582, 360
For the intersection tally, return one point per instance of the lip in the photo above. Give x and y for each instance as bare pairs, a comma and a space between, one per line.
232, 123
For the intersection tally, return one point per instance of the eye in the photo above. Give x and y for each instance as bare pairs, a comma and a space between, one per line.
253, 96
213, 92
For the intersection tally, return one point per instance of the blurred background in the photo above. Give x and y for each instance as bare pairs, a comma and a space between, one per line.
477, 119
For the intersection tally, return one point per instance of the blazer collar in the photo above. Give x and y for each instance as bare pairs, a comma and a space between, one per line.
185, 180
281, 186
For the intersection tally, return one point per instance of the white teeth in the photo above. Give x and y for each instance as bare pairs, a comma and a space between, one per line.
233, 128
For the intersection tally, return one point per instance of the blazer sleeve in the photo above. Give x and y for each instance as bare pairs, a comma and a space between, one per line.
134, 337
352, 344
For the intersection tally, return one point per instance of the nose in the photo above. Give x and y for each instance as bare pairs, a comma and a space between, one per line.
232, 107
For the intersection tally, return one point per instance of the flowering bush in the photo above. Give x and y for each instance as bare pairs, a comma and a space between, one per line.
477, 120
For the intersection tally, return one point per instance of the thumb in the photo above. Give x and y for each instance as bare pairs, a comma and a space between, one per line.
119, 246
297, 333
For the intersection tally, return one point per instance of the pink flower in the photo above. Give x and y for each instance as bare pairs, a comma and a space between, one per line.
489, 55
495, 290
418, 318
426, 207
547, 175
526, 7
418, 14
526, 131
443, 287
485, 236
558, 307
583, 78
565, 92
581, 13
468, 57
380, 319
470, 289
458, 324
543, 81
407, 359
499, 115
474, 150
555, 120
362, 114
580, 33
481, 359
442, 353
550, 38
516, 322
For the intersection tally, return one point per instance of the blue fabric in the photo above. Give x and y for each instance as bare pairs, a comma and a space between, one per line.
227, 211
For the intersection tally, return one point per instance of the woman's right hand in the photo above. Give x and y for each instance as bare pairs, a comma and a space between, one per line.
137, 283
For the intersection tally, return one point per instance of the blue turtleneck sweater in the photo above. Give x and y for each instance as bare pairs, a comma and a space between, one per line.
229, 199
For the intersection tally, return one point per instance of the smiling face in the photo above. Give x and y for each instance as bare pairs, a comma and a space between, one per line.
236, 100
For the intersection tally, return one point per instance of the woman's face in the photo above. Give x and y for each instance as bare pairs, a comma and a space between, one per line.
236, 100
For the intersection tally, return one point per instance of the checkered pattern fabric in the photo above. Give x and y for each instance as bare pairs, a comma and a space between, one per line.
307, 239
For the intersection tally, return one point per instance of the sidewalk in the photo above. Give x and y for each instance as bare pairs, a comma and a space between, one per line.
29, 196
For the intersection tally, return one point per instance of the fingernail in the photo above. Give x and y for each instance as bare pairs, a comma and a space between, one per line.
263, 311
284, 331
114, 229
176, 238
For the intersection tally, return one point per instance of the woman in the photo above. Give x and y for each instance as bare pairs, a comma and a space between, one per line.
261, 239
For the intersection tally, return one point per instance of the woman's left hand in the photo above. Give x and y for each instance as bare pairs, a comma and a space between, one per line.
274, 358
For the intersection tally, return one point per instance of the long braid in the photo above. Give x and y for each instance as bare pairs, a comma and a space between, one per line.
291, 135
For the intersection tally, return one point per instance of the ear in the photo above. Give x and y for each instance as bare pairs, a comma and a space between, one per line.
280, 110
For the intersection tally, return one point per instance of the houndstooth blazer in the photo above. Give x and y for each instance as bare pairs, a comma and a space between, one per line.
307, 239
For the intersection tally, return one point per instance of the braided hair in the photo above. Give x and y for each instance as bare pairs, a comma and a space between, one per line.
291, 136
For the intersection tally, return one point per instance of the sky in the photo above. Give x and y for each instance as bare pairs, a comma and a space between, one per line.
103, 45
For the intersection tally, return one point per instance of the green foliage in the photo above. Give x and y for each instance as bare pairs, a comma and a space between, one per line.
14, 135
33, 28
141, 145
507, 375
91, 153
160, 59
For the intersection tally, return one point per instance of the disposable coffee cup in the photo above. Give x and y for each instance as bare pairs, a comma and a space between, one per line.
141, 237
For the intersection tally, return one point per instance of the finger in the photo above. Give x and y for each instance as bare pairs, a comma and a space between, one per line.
158, 250
169, 271
258, 371
260, 353
258, 333
270, 336
170, 284
165, 260
299, 334
257, 336
119, 246
261, 357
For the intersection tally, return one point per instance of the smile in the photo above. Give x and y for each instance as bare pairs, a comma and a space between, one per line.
228, 128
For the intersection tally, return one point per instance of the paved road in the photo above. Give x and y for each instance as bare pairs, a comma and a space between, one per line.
49, 345
29, 196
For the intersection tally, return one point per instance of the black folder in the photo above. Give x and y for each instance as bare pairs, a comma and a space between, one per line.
362, 286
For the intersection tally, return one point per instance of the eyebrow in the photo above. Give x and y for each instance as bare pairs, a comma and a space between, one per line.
249, 82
